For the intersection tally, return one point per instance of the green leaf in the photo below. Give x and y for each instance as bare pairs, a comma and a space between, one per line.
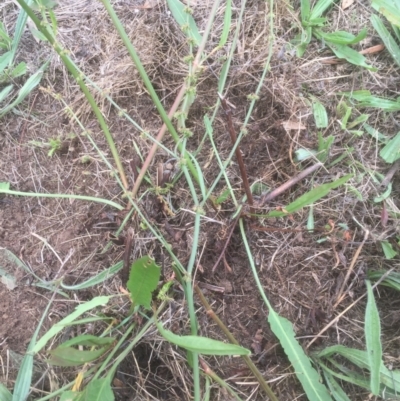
320, 114
365, 99
307, 375
324, 146
98, 390
143, 280
376, 134
388, 250
227, 24
385, 195
70, 396
5, 395
305, 39
310, 197
372, 331
68, 356
392, 281
334, 387
350, 55
390, 44
343, 37
359, 120
5, 92
79, 310
391, 151
389, 10
305, 10
98, 279
202, 345
87, 340
185, 20
304, 154
5, 60
320, 8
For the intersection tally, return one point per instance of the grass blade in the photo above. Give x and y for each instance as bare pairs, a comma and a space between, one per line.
373, 339
307, 375
227, 24
350, 55
391, 45
320, 8
185, 20
391, 151
5, 395
343, 37
336, 391
320, 114
388, 9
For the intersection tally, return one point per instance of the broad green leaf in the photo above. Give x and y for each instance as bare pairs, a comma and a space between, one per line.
324, 146
391, 151
185, 20
310, 197
5, 60
334, 387
365, 99
372, 329
388, 250
390, 44
350, 55
143, 280
87, 340
202, 345
5, 395
389, 10
227, 24
304, 154
69, 356
307, 375
320, 114
5, 189
376, 134
320, 8
343, 37
98, 279
19, 70
70, 396
79, 310
98, 390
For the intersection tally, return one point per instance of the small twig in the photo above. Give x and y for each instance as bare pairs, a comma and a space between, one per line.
238, 153
127, 255
263, 384
226, 243
288, 184
340, 295
388, 177
332, 322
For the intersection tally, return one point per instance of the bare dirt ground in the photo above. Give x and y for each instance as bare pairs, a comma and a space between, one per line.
301, 276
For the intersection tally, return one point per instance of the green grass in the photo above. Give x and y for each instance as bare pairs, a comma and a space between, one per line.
109, 347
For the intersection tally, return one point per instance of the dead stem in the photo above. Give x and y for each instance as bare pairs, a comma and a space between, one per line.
288, 184
263, 384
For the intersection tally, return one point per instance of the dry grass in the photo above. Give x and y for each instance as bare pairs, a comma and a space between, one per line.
300, 276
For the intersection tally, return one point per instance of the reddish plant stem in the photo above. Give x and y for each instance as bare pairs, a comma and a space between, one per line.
288, 184
238, 153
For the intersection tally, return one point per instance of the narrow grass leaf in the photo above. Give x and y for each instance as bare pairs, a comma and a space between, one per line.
361, 119
199, 175
5, 60
372, 330
5, 189
392, 280
202, 345
365, 99
98, 390
350, 55
185, 20
227, 23
70, 396
143, 280
5, 394
320, 114
343, 37
98, 279
79, 310
391, 151
87, 340
376, 134
385, 195
307, 375
390, 44
310, 197
388, 250
305, 10
335, 389
320, 8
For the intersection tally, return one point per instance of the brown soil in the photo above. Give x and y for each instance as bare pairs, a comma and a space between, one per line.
60, 238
